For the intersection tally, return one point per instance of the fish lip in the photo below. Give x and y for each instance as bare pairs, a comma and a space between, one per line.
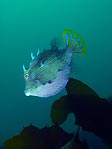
26, 93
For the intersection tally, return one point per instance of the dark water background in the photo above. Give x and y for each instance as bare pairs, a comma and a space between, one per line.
26, 25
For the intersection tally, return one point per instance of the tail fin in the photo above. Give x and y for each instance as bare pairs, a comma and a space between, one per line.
75, 41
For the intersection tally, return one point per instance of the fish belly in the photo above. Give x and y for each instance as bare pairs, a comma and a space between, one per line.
51, 89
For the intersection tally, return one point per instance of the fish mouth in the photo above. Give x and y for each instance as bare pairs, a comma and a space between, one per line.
26, 93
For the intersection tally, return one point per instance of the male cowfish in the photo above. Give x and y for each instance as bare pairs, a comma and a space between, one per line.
48, 72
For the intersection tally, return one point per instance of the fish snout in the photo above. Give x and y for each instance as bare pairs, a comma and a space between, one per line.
26, 93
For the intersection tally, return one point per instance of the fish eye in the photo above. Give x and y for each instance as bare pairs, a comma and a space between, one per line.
26, 76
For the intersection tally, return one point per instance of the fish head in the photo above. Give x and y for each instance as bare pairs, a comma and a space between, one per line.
32, 83
47, 74
34, 87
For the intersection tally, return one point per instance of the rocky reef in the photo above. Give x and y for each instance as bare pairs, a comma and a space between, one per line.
32, 137
92, 113
53, 137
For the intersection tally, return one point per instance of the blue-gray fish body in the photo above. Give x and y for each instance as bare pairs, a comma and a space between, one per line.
48, 72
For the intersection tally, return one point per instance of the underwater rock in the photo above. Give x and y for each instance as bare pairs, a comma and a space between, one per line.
92, 113
76, 143
110, 99
92, 116
75, 86
32, 137
58, 113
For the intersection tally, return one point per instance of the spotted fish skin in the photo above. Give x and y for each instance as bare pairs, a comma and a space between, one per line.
49, 71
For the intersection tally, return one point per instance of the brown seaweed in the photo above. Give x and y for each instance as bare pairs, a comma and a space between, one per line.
32, 137
92, 113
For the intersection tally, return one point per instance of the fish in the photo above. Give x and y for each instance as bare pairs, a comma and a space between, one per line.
49, 71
